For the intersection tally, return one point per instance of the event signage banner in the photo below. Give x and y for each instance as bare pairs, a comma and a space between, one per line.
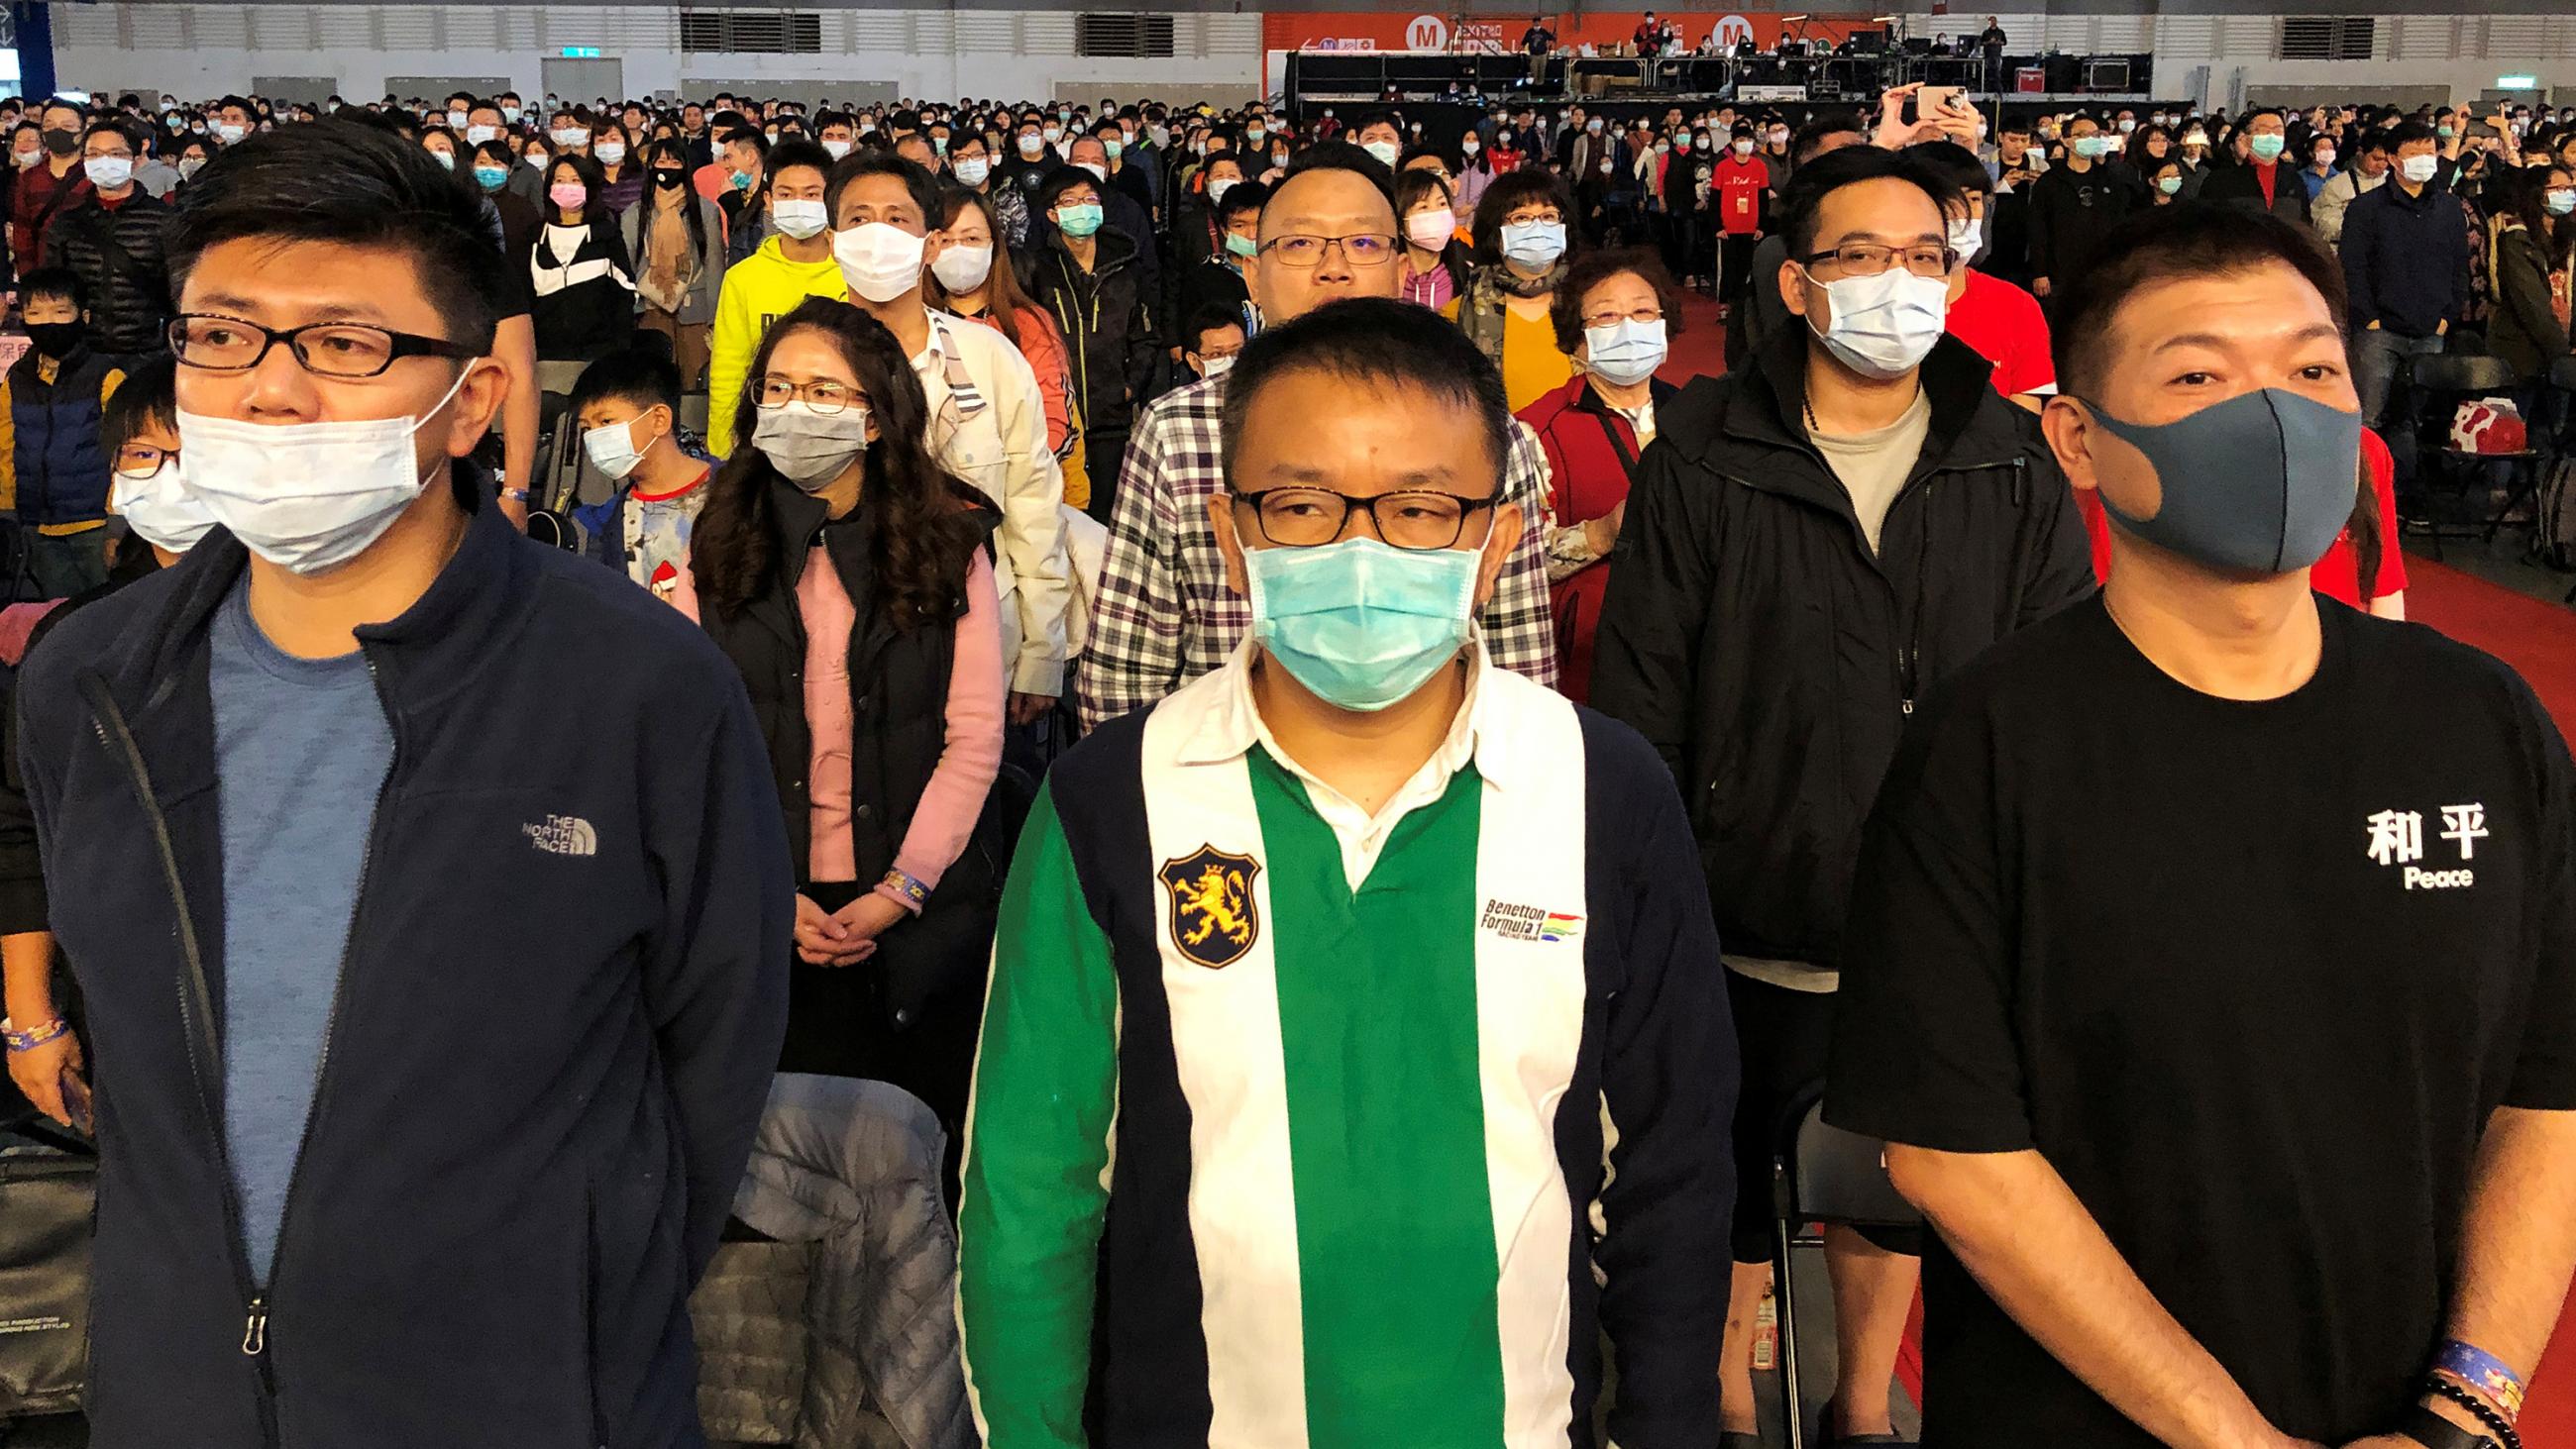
1448, 32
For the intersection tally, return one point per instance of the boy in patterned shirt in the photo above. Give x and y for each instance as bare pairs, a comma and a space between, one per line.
628, 408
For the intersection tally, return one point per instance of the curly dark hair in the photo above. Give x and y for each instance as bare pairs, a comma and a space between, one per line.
923, 517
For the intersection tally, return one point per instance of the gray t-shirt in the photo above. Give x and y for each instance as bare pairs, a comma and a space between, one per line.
1875, 464
302, 749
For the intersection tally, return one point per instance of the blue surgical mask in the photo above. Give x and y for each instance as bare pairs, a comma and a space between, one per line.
1534, 243
2265, 148
1625, 352
2261, 483
1362, 624
1241, 245
492, 177
1078, 221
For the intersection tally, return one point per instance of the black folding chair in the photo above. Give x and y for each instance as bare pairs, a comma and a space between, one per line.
1821, 1175
2443, 382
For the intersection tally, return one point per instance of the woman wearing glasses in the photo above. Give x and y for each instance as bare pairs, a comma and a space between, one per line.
845, 574
1520, 258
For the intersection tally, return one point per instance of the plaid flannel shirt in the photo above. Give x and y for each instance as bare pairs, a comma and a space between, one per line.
1165, 616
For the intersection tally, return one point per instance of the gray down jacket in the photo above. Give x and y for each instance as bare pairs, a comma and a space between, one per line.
850, 1314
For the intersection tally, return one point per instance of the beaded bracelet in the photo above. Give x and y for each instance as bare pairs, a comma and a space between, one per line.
27, 1041
2497, 1425
2482, 1372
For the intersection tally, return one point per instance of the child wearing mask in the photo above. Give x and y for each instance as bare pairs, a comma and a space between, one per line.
53, 459
627, 406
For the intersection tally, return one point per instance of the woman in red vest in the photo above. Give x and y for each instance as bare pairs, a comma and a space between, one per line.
1613, 314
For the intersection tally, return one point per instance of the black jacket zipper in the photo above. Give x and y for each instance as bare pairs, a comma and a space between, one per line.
197, 1017
205, 1054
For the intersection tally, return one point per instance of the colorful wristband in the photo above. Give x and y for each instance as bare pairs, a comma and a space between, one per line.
2478, 1407
27, 1041
2483, 1372
907, 887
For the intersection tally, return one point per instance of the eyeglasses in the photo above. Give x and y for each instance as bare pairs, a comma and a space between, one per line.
1313, 517
1549, 217
1868, 259
217, 343
1651, 312
143, 458
1363, 249
823, 397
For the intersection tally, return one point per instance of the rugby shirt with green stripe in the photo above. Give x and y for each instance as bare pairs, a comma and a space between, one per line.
1260, 1158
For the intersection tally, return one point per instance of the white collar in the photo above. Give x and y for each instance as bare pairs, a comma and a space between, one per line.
1231, 724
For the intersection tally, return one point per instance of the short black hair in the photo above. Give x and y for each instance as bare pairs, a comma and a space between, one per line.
1957, 165
2161, 244
247, 106
57, 103
1057, 182
1209, 317
336, 181
1820, 127
1342, 156
1382, 344
60, 282
1803, 200
149, 396
1239, 198
637, 375
795, 153
916, 178
2408, 133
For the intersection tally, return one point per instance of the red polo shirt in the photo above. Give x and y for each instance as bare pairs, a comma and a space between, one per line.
2005, 325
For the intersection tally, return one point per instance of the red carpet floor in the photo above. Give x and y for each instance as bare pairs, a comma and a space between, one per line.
2536, 638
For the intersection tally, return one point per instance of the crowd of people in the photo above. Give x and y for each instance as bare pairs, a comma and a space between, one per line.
1203, 646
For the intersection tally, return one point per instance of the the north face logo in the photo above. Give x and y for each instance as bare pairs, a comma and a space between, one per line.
563, 835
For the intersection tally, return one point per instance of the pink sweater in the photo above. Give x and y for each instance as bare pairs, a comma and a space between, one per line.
954, 798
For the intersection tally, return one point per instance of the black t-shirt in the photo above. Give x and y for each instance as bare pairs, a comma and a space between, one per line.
2251, 976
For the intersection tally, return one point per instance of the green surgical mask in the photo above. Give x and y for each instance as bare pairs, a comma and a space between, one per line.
1241, 246
1078, 221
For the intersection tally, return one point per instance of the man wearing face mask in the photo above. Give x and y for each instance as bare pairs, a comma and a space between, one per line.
379, 804
1361, 911
628, 406
2001, 321
2104, 1105
2367, 173
2263, 183
971, 163
2074, 206
2406, 262
110, 236
1864, 505
45, 190
987, 419
789, 267
1165, 613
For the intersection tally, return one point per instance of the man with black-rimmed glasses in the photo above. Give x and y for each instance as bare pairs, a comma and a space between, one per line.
1809, 544
1356, 1060
434, 900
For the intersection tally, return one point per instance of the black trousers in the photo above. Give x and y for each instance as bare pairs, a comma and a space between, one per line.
1736, 272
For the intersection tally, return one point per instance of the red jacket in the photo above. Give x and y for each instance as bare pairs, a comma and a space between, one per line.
1590, 450
1737, 192
33, 205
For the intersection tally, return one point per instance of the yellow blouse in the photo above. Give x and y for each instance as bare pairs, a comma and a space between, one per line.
1532, 367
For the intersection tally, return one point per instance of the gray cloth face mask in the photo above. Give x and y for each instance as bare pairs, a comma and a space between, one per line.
810, 449
2260, 484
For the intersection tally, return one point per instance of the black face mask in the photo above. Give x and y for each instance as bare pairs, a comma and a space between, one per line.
55, 339
668, 178
61, 143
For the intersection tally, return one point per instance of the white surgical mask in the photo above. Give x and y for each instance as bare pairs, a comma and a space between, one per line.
1216, 366
107, 173
456, 120
1031, 145
1098, 171
1385, 151
971, 170
158, 506
306, 496
1966, 235
835, 147
2420, 169
612, 449
609, 152
477, 135
963, 269
879, 260
228, 133
1884, 326
808, 448
798, 219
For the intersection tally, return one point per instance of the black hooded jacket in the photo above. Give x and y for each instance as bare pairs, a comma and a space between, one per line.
1752, 637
